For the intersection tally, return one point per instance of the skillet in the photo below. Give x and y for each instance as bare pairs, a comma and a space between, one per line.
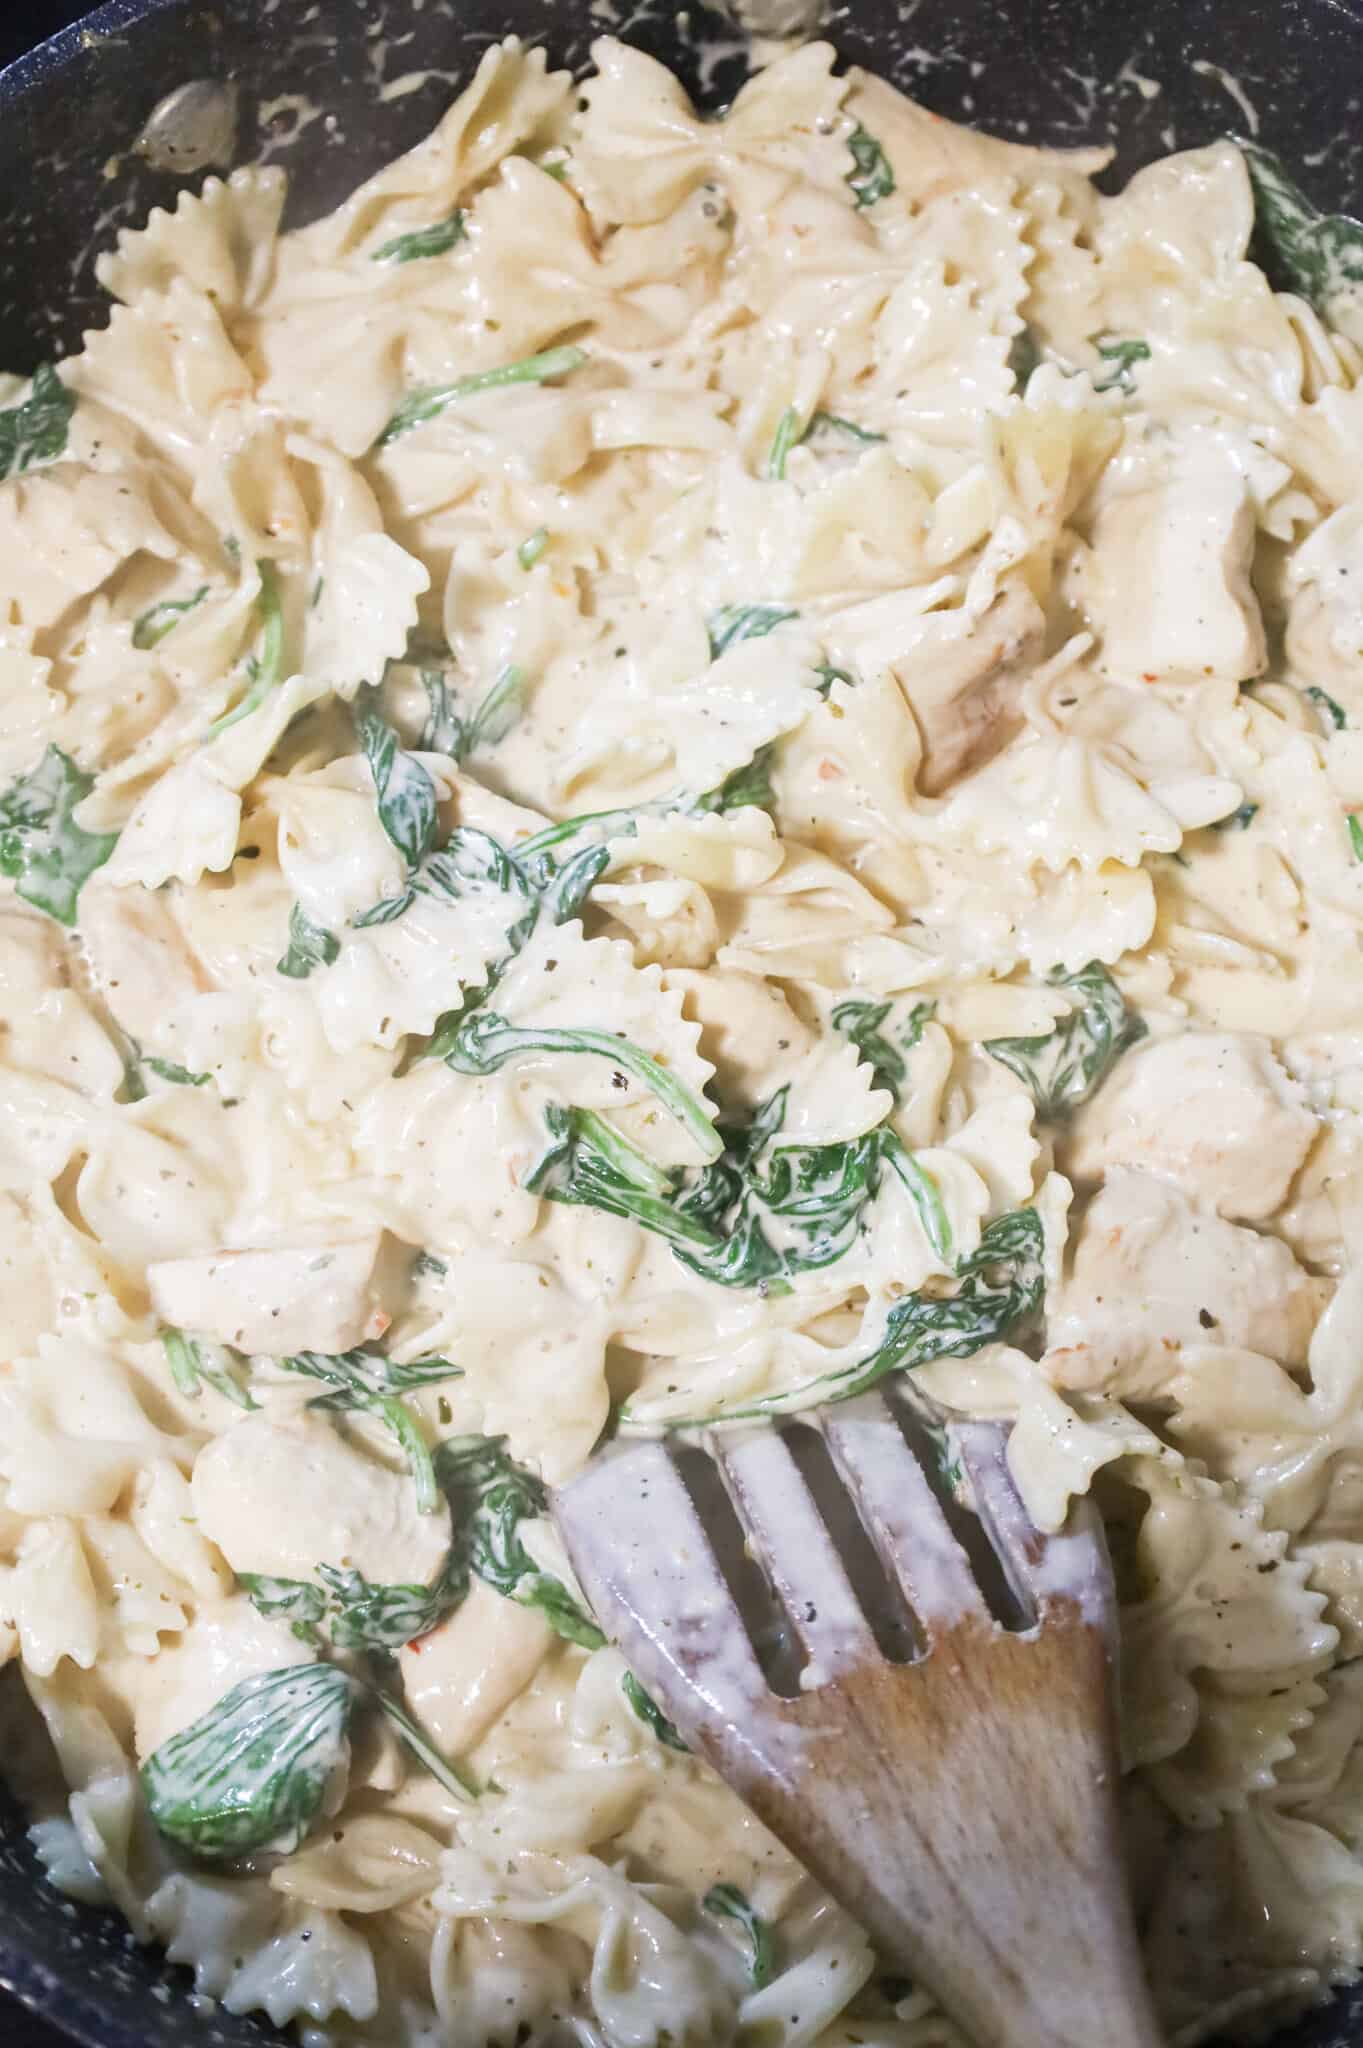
1059, 72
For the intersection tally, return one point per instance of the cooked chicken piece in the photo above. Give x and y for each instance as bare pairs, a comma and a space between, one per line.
963, 686
1213, 1110
1167, 583
464, 1674
1151, 1273
303, 1298
139, 957
283, 1494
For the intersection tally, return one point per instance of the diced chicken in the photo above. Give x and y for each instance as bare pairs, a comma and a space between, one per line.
964, 689
1167, 584
304, 1298
1212, 1110
283, 1494
1151, 1274
139, 957
464, 1674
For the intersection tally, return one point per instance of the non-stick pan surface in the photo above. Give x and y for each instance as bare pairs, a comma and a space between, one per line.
1054, 71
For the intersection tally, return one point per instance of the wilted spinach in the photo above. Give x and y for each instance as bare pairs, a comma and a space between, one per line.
431, 400
310, 945
46, 853
37, 430
1064, 1066
436, 240
366, 1382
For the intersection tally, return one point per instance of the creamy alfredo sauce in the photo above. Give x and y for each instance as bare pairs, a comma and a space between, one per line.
666, 769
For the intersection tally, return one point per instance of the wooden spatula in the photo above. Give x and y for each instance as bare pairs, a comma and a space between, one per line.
962, 1805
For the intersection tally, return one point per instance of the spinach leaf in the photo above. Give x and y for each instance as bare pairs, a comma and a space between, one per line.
870, 177
497, 713
532, 547
758, 1215
352, 1611
828, 675
254, 1772
404, 791
441, 732
152, 626
750, 784
787, 435
456, 1782
366, 1382
735, 622
651, 1714
1001, 1288
1317, 255
1237, 820
193, 1360
36, 431
1356, 835
296, 1601
1333, 716
727, 1902
310, 945
42, 848
265, 669
1064, 1066
171, 1070
430, 401
1024, 357
823, 422
426, 1266
436, 240
483, 1042
490, 1496
1122, 354
859, 1021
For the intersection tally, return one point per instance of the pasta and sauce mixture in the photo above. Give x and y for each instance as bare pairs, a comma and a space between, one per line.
670, 767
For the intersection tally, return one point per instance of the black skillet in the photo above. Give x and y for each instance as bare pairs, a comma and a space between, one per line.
1054, 71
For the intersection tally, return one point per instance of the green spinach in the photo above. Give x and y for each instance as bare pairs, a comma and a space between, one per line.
758, 1215
436, 240
735, 622
430, 401
353, 1612
651, 1714
48, 856
254, 1771
1001, 1287
482, 1042
152, 626
265, 668
532, 547
1331, 712
405, 793
365, 1382
870, 177
727, 1902
310, 945
490, 1496
1063, 1067
37, 430
1122, 355
194, 1361
859, 1021
1319, 256
788, 435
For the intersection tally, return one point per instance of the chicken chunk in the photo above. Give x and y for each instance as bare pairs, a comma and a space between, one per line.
964, 687
1151, 1273
139, 957
1212, 1110
1167, 583
462, 1676
302, 1298
283, 1494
